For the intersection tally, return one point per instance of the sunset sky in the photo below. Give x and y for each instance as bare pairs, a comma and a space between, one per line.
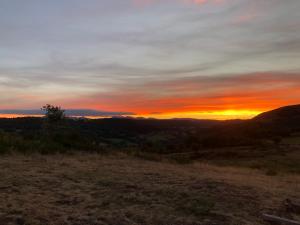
218, 59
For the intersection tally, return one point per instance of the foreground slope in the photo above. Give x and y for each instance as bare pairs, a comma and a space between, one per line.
93, 190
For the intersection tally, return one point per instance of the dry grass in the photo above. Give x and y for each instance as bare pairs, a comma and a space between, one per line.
93, 189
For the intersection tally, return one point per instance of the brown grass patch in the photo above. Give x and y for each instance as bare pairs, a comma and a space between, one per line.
91, 189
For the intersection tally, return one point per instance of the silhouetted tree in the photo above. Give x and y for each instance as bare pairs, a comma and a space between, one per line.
53, 113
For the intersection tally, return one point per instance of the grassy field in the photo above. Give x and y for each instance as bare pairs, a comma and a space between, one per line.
90, 189
278, 161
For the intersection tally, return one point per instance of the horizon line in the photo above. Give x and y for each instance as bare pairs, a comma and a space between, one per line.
226, 114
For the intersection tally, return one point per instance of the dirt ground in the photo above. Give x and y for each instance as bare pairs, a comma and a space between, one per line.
90, 189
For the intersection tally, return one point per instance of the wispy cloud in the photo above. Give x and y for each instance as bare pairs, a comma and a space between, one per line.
197, 2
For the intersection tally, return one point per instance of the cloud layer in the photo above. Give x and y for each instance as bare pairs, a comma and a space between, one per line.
253, 91
153, 56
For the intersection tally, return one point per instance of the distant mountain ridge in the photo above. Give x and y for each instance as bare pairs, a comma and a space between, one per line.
284, 118
162, 136
69, 112
286, 112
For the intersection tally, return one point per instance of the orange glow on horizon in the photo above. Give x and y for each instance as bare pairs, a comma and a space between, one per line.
215, 115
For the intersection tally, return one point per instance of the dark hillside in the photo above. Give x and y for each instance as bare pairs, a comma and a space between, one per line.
285, 119
150, 135
287, 113
270, 126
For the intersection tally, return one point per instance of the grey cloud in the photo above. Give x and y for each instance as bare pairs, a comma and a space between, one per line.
87, 47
